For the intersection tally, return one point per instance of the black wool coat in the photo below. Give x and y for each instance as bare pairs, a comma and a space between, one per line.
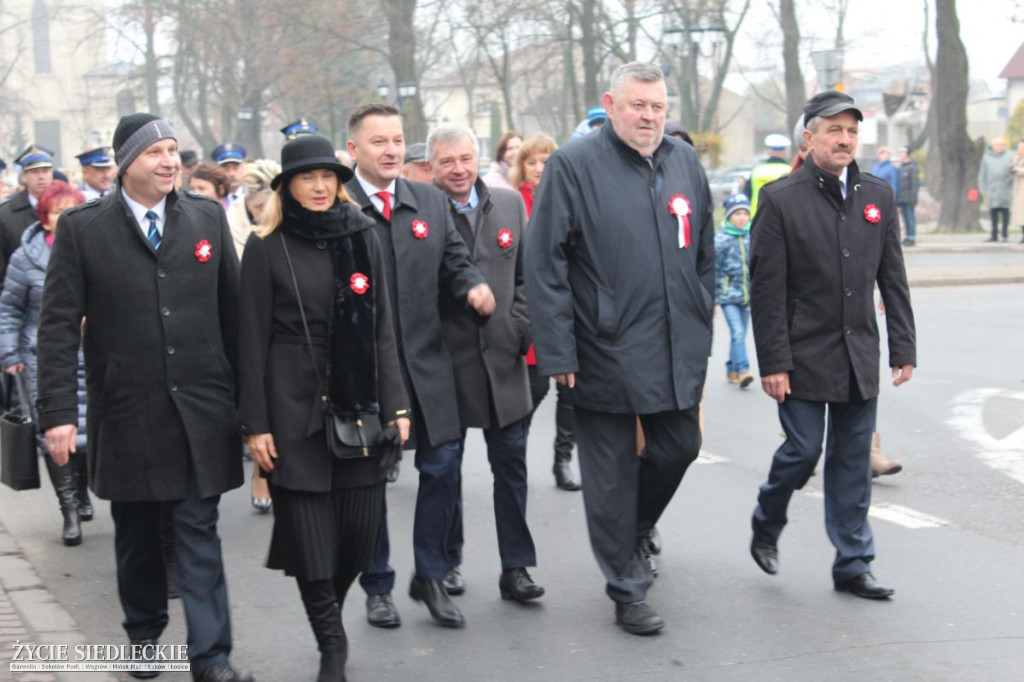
612, 296
279, 393
489, 354
160, 343
418, 271
814, 262
16, 214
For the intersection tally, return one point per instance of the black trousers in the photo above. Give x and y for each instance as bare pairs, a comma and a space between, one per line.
847, 477
625, 495
198, 574
995, 214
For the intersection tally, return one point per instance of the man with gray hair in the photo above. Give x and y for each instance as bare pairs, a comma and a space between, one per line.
157, 274
619, 274
490, 359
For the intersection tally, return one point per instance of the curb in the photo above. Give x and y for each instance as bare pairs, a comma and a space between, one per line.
30, 613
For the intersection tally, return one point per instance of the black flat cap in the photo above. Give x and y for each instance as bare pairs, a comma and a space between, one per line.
828, 104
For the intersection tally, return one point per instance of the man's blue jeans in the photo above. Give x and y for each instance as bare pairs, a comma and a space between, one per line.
909, 221
737, 317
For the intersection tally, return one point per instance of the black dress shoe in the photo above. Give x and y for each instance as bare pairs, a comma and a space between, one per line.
223, 672
638, 618
516, 583
454, 583
864, 585
381, 611
148, 655
564, 478
442, 609
766, 555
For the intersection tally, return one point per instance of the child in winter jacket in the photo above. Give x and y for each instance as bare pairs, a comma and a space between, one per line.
732, 284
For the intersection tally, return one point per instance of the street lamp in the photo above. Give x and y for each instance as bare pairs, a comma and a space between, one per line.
383, 89
405, 91
675, 37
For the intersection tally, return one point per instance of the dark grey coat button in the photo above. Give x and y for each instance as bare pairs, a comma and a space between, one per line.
174, 387
170, 350
160, 273
848, 291
165, 311
321, 245
846, 253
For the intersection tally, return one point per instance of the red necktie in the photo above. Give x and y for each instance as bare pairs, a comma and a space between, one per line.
386, 209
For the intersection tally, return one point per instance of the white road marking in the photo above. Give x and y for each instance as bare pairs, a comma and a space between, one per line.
706, 457
1005, 454
894, 513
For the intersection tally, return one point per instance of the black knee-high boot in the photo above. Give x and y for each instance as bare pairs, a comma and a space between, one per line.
78, 461
324, 613
63, 480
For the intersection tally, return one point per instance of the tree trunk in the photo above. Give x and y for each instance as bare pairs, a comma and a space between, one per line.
402, 54
589, 45
795, 93
152, 70
960, 158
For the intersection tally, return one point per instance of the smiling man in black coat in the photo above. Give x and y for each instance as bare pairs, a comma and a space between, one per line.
823, 236
155, 276
425, 257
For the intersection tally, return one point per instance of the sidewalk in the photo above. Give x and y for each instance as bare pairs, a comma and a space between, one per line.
30, 614
1009, 268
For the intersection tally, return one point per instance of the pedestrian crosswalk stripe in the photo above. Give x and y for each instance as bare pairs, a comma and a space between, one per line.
895, 513
706, 457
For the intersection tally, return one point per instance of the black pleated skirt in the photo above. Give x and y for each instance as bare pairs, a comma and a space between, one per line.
320, 535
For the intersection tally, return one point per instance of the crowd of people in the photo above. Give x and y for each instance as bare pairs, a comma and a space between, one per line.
325, 312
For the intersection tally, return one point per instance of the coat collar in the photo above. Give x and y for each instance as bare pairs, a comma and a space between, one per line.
828, 183
403, 195
611, 137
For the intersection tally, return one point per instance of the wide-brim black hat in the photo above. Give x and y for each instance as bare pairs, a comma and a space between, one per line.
309, 152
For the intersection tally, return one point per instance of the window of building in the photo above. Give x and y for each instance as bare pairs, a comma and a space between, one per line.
47, 135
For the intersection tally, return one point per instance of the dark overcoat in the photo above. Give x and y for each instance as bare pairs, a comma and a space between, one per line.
160, 341
15, 215
489, 355
814, 262
612, 296
278, 389
419, 269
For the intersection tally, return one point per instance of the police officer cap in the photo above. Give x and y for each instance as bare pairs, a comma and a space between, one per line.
777, 142
35, 157
416, 153
99, 157
228, 152
735, 203
829, 103
298, 129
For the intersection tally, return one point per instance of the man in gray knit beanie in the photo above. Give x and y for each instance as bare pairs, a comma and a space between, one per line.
156, 272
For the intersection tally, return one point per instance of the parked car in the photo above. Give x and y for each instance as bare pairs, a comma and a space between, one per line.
726, 182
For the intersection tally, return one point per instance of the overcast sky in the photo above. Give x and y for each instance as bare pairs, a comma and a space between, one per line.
881, 33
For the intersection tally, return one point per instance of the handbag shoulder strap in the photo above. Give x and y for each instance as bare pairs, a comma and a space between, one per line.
302, 312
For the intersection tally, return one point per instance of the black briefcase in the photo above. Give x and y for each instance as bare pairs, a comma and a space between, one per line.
19, 457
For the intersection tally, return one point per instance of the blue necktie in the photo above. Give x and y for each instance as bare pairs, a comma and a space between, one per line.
154, 234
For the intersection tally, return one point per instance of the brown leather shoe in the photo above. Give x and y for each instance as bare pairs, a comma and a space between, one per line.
733, 377
745, 379
880, 465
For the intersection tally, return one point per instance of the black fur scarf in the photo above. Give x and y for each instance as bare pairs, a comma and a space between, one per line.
352, 329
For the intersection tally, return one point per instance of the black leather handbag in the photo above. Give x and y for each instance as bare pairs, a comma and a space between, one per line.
19, 455
347, 437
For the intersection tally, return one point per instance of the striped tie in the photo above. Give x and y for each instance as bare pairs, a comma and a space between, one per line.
154, 234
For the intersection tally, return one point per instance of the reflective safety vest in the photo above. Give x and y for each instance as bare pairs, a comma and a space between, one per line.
762, 175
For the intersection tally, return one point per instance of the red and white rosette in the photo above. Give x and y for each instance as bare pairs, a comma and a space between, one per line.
505, 238
679, 206
359, 283
420, 230
203, 251
872, 213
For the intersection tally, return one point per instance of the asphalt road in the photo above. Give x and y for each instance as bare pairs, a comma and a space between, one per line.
951, 543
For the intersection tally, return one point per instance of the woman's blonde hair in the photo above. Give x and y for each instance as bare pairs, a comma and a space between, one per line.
273, 210
534, 144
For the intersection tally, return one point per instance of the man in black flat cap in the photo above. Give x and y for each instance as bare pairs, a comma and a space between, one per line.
823, 236
157, 274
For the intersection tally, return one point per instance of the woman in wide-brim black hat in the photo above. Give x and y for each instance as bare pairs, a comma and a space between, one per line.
326, 510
